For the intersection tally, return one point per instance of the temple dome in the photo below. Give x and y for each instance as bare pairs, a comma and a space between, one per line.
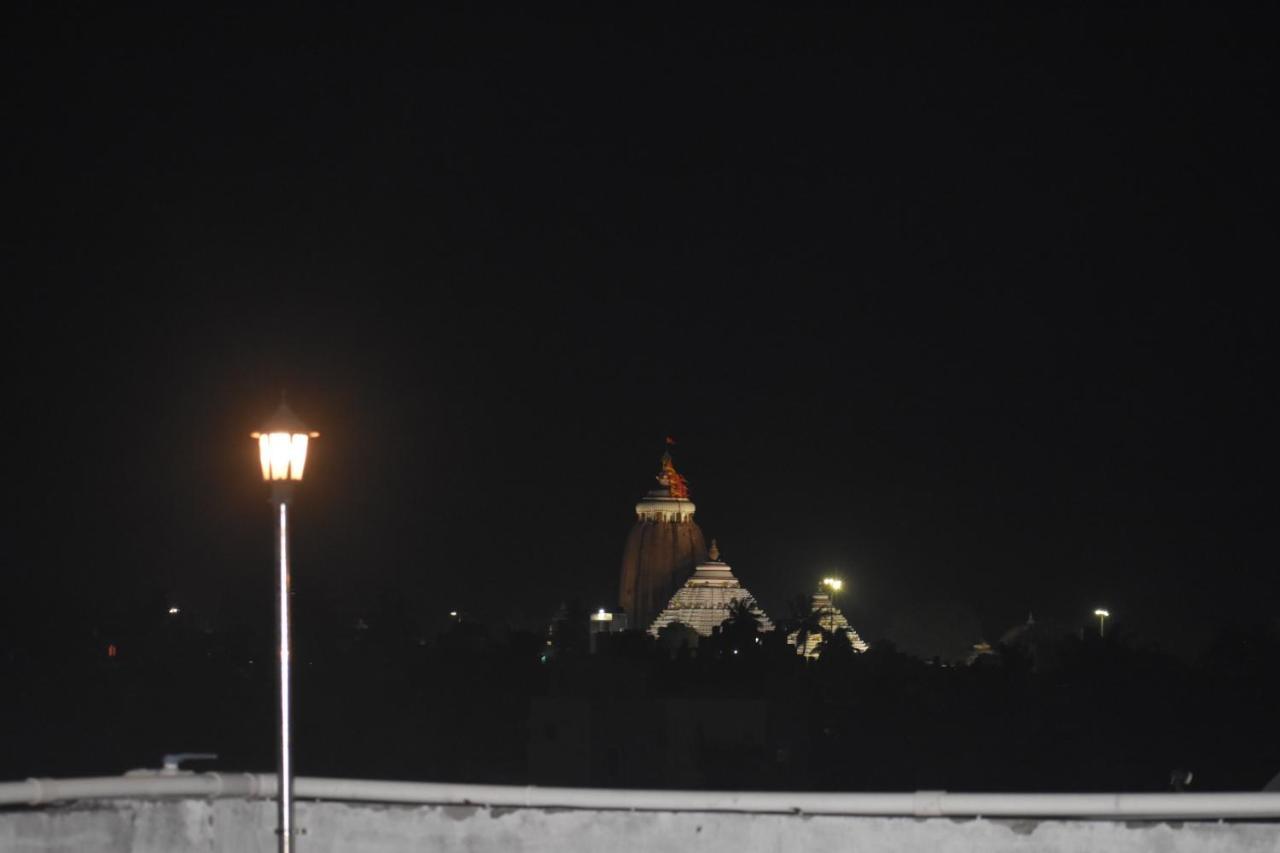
662, 549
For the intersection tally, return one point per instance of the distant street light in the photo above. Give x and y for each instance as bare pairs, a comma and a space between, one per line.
1102, 621
282, 446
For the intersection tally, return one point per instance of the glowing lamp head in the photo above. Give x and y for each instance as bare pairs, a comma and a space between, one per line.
1101, 612
282, 445
833, 584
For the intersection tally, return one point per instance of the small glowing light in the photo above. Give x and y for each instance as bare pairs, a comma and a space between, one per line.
602, 615
173, 611
111, 650
834, 584
1101, 612
453, 613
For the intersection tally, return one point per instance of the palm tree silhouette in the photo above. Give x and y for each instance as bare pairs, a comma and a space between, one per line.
804, 621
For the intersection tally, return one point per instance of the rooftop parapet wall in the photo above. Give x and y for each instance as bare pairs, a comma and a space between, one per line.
244, 826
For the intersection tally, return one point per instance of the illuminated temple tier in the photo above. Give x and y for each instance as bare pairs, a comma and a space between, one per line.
662, 549
704, 600
829, 618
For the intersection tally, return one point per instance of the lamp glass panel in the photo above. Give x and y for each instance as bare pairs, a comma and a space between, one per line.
264, 455
298, 455
281, 451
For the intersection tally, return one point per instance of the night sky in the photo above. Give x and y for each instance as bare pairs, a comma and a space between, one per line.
969, 307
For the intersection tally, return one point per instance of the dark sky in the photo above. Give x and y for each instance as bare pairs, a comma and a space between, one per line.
967, 306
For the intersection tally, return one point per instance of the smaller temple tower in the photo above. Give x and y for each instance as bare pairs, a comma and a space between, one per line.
825, 616
704, 600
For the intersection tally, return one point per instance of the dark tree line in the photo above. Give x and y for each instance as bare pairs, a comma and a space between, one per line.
385, 696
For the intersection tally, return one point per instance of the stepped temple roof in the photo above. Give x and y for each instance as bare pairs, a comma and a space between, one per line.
826, 617
704, 600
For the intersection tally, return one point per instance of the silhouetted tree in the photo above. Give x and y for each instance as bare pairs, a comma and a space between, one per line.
570, 630
835, 646
677, 636
741, 630
802, 619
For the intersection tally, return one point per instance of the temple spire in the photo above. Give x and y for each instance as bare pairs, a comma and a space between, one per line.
663, 548
714, 553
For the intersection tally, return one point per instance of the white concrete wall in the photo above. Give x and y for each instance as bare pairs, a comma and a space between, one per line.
245, 826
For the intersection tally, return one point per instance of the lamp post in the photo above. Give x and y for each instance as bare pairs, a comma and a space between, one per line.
833, 585
282, 448
1102, 621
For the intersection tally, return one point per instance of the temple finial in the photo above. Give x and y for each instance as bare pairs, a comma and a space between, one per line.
669, 478
714, 553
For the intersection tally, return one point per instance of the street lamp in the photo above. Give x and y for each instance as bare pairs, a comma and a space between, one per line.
1102, 621
282, 448
833, 586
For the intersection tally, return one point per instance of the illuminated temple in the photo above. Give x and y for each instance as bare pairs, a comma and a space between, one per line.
703, 602
667, 574
827, 617
664, 546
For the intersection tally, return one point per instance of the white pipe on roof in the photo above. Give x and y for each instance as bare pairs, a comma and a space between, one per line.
139, 786
1170, 806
